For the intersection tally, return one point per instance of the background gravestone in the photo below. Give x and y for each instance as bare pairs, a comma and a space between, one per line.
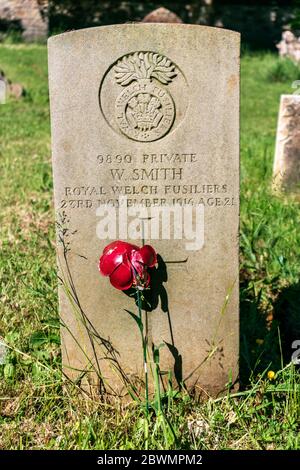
189, 155
3, 351
161, 15
286, 171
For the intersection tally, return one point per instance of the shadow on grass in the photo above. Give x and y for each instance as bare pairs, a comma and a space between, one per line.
266, 338
287, 314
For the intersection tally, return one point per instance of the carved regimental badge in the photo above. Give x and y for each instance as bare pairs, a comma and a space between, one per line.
144, 96
145, 110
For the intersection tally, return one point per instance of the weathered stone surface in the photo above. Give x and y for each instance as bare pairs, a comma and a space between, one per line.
162, 15
286, 172
151, 112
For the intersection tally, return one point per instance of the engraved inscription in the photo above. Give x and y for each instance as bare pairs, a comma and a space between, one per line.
145, 111
149, 179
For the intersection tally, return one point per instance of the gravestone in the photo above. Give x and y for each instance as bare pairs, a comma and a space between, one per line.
289, 46
10, 89
162, 15
286, 171
3, 351
147, 116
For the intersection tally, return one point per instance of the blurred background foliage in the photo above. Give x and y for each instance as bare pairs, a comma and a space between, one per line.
260, 22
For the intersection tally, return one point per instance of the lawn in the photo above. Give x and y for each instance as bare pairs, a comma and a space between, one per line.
39, 409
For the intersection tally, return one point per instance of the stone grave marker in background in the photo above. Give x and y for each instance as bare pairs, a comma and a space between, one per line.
286, 171
162, 15
289, 46
148, 114
3, 351
8, 88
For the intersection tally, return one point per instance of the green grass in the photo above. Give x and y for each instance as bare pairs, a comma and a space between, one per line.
34, 410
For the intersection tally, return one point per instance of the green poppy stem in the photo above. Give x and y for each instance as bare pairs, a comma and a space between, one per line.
145, 337
144, 344
145, 347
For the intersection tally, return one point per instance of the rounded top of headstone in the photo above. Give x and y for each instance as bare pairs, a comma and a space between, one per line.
162, 15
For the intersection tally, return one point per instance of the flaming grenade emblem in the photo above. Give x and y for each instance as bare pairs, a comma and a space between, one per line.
145, 110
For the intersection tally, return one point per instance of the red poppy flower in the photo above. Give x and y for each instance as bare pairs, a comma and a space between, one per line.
126, 264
